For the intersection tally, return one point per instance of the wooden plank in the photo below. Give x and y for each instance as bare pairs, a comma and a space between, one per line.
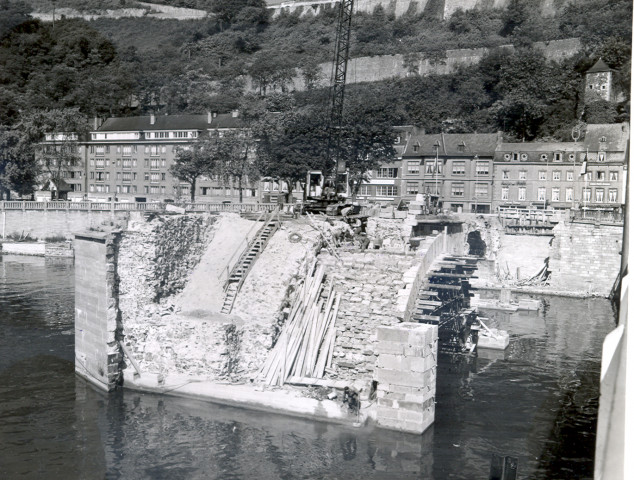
429, 302
334, 336
434, 318
451, 275
441, 286
427, 292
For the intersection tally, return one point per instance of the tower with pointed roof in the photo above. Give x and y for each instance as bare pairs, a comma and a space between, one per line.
599, 83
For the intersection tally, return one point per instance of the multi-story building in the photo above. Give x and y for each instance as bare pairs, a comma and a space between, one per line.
599, 83
456, 168
128, 159
564, 175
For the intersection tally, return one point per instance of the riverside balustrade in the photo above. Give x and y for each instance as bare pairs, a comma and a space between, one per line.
142, 207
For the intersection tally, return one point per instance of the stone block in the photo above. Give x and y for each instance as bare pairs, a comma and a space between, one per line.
392, 334
395, 348
392, 362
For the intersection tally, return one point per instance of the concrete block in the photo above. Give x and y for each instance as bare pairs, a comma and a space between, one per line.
392, 334
395, 348
384, 413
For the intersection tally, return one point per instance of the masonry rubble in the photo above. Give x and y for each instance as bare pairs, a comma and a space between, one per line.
153, 261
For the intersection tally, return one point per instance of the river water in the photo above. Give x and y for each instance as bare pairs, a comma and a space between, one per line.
537, 401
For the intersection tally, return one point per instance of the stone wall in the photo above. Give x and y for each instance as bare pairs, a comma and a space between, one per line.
585, 257
374, 292
48, 223
97, 328
406, 376
384, 67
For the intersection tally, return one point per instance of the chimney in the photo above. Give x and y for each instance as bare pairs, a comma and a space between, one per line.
152, 119
209, 117
96, 123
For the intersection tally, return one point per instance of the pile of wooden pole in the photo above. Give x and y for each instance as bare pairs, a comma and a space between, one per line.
305, 345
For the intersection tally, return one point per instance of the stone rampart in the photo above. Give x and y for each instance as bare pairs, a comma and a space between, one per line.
97, 329
585, 257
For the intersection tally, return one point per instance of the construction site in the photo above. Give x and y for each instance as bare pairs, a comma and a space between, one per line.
316, 316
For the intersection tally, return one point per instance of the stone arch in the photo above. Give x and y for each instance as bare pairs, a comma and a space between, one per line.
477, 246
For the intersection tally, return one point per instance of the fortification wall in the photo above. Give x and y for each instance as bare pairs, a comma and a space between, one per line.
384, 67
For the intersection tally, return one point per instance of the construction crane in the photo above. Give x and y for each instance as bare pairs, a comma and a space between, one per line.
325, 188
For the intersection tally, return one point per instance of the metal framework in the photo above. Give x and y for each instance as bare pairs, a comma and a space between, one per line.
340, 66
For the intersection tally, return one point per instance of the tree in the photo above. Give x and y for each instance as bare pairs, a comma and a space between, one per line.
18, 168
61, 128
367, 139
290, 144
194, 161
236, 162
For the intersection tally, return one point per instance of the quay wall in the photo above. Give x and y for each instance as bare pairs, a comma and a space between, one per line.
585, 257
49, 223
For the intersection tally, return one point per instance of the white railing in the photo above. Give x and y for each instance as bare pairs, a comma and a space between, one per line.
130, 206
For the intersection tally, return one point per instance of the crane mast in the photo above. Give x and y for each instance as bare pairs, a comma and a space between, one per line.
340, 66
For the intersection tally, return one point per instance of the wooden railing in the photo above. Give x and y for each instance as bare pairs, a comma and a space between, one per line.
142, 207
598, 215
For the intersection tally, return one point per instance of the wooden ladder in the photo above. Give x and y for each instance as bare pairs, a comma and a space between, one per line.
247, 260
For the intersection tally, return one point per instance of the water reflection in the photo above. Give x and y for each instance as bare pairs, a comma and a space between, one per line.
536, 401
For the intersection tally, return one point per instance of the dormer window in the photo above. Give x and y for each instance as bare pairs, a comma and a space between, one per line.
557, 157
416, 147
398, 140
462, 147
543, 157
603, 139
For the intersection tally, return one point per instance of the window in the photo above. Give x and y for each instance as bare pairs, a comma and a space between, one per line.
101, 176
100, 163
413, 167
155, 177
162, 176
505, 193
570, 176
522, 175
587, 194
481, 190
542, 175
387, 173
154, 151
482, 168
127, 163
589, 176
603, 139
92, 175
516, 156
416, 147
127, 151
521, 193
100, 150
154, 164
554, 196
598, 195
556, 175
386, 191
543, 157
412, 188
612, 195
601, 157
457, 189
571, 157
127, 176
146, 176
541, 194
569, 197
431, 168
505, 175
457, 168
364, 190
600, 176
557, 157
614, 176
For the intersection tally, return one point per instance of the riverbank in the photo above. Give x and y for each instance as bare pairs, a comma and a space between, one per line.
38, 249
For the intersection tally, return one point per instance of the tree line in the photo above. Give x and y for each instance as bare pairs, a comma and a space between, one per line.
122, 67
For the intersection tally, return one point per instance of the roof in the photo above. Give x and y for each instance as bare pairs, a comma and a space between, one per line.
616, 136
457, 144
540, 147
170, 122
600, 66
